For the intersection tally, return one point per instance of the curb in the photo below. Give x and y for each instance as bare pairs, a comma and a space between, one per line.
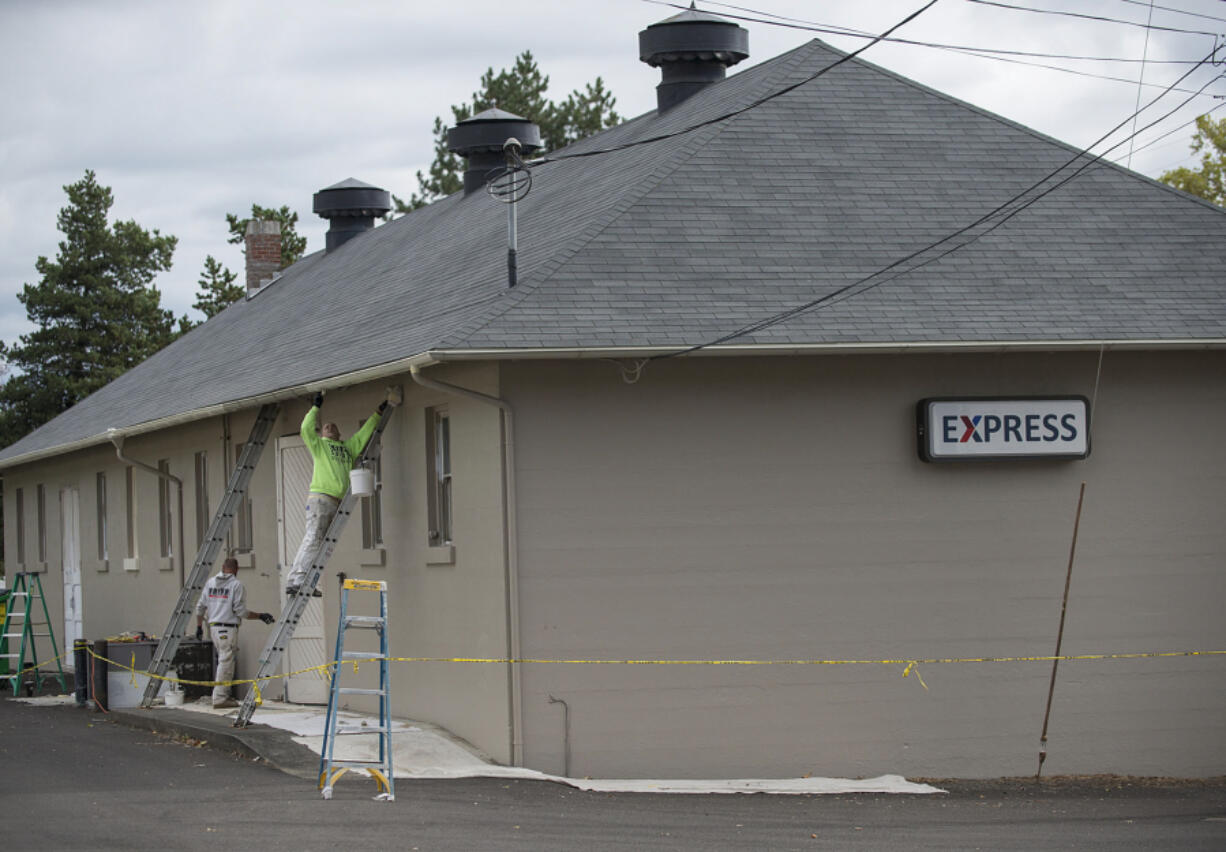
272, 745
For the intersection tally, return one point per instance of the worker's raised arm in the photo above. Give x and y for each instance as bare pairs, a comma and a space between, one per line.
309, 434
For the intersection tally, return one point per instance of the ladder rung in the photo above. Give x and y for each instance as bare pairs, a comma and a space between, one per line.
362, 655
13, 656
359, 764
364, 621
343, 732
353, 690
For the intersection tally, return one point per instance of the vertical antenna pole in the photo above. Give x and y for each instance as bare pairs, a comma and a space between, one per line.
512, 147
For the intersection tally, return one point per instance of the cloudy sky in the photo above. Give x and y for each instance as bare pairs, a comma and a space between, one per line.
190, 110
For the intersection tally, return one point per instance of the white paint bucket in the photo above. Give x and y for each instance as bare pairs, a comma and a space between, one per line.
362, 481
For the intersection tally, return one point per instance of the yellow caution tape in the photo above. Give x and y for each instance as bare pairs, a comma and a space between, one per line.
910, 666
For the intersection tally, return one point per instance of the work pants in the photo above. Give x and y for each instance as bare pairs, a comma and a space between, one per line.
319, 511
225, 642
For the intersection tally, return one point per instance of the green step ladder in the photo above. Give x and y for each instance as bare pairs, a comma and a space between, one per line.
20, 630
330, 767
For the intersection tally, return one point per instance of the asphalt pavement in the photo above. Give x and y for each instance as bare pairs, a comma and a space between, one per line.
76, 778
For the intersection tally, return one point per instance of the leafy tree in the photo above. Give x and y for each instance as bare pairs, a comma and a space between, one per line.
1209, 181
520, 90
293, 246
217, 288
96, 310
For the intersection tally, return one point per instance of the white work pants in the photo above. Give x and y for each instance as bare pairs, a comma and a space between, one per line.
225, 642
319, 511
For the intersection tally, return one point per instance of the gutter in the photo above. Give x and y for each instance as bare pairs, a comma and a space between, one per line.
883, 348
510, 545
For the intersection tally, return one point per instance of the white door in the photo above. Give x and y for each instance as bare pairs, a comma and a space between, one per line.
70, 539
306, 649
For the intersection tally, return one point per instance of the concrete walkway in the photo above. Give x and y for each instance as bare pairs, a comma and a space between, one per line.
289, 737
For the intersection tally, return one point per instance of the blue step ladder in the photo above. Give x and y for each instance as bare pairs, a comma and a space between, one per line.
331, 768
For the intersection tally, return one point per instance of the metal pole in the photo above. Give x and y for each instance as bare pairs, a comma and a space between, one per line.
1055, 664
512, 148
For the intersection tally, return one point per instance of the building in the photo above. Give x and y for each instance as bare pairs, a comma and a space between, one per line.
688, 432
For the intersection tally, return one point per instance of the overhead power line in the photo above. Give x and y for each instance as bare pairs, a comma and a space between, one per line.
756, 16
1084, 16
1173, 10
996, 54
1169, 133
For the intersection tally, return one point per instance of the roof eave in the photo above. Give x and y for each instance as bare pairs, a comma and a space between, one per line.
439, 356
367, 374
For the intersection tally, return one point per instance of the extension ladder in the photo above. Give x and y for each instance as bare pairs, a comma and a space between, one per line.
27, 588
214, 540
281, 634
331, 768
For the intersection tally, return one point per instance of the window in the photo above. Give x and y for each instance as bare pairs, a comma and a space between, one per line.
202, 498
242, 520
165, 538
19, 496
100, 481
438, 467
130, 509
40, 513
372, 513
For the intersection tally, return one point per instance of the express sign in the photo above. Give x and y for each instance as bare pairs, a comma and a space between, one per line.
958, 429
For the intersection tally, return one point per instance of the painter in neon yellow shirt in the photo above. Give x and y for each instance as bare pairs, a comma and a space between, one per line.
334, 459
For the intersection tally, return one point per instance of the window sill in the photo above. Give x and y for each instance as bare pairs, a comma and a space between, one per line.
131, 563
166, 563
373, 558
443, 554
246, 559
101, 565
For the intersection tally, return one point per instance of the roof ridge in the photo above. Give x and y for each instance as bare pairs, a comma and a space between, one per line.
704, 134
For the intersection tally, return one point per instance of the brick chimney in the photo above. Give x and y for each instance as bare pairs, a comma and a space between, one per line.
263, 243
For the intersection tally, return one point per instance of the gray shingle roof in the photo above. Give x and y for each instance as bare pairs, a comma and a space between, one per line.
680, 241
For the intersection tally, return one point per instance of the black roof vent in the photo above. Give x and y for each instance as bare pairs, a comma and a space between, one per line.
692, 50
480, 140
350, 208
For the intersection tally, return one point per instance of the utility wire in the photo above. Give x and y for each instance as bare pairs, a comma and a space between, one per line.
850, 290
832, 29
1084, 16
999, 55
1140, 80
1158, 139
755, 104
1175, 11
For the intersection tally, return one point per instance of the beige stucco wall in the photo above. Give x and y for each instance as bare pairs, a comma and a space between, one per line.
775, 509
440, 605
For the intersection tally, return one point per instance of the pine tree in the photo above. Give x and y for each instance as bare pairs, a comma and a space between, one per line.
96, 311
1209, 181
293, 246
520, 90
217, 288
